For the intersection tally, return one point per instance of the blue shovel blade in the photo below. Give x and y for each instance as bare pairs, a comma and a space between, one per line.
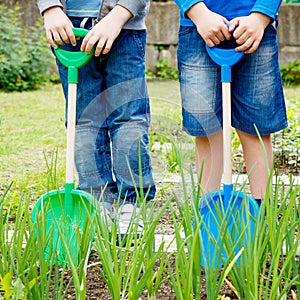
228, 223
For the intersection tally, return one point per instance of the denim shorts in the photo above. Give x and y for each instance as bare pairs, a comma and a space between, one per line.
257, 96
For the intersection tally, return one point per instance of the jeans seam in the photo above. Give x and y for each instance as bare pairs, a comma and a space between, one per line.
139, 44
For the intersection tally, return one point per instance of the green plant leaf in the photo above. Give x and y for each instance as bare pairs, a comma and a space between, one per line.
19, 289
5, 285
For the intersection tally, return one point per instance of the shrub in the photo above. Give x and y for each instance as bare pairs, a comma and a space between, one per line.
166, 70
290, 73
25, 59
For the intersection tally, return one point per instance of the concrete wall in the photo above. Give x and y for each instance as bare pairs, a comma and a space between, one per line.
163, 19
289, 33
163, 22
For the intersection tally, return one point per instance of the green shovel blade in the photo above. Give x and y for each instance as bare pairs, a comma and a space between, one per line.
64, 226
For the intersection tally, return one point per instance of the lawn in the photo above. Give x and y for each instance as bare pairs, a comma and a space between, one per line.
32, 130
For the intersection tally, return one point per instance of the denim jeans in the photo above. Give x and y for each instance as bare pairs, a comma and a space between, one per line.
112, 155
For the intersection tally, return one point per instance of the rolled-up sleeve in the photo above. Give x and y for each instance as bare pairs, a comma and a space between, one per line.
135, 6
45, 4
267, 7
185, 5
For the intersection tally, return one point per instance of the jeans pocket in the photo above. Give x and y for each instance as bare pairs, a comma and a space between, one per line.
183, 30
198, 89
139, 37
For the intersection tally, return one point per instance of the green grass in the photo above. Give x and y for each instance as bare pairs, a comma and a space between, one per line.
292, 92
32, 129
32, 126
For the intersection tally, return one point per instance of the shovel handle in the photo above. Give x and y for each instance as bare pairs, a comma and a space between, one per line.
226, 57
74, 60
225, 54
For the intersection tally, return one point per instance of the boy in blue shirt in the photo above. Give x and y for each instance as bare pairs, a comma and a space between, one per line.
113, 111
257, 96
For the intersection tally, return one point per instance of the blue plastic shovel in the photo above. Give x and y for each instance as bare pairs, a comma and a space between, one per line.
226, 213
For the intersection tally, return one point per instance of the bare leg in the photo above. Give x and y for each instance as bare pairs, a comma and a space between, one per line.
209, 159
256, 163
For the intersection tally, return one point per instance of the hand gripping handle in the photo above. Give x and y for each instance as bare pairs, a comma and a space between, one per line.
74, 60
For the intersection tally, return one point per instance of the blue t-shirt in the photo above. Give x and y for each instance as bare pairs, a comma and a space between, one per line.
230, 9
79, 8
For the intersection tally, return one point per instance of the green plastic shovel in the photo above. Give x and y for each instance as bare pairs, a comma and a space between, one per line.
65, 212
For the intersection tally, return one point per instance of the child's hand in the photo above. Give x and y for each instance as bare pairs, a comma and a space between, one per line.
248, 31
106, 31
58, 27
211, 26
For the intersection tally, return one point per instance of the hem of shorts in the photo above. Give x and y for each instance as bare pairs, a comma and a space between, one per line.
261, 132
201, 132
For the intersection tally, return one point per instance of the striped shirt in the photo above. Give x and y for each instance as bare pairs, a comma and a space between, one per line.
79, 8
